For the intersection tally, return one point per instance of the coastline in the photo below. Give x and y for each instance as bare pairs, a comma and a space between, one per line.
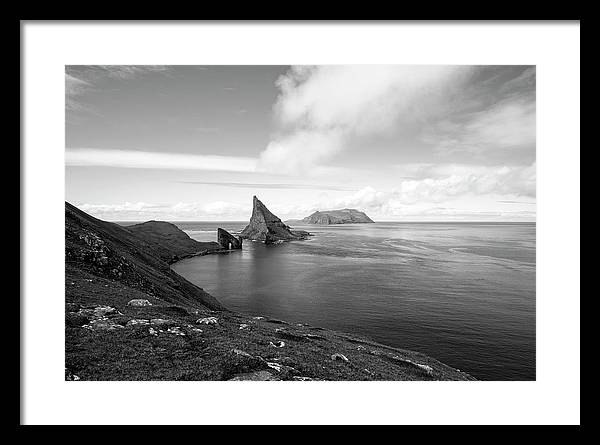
203, 252
404, 357
129, 316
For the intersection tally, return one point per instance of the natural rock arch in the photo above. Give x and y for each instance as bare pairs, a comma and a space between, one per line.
227, 241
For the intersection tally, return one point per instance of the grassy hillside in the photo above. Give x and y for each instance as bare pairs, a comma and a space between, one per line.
110, 251
169, 241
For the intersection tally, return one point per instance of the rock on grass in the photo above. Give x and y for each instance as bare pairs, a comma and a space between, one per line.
139, 302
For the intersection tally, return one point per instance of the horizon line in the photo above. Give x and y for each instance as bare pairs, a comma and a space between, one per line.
294, 219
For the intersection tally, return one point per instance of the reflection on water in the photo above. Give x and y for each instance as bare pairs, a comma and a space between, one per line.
463, 293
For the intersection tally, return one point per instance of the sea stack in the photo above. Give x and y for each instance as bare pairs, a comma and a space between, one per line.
268, 228
227, 241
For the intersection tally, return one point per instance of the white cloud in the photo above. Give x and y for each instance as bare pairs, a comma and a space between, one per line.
300, 151
443, 180
464, 214
319, 107
449, 181
157, 160
181, 211
434, 192
435, 186
508, 125
359, 98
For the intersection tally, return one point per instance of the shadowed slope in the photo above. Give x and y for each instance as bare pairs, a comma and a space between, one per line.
110, 251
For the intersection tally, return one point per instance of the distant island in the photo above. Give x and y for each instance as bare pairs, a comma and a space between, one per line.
342, 216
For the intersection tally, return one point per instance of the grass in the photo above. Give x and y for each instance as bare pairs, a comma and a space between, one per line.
132, 353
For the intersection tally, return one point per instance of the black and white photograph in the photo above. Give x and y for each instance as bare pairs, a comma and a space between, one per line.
348, 222
350, 228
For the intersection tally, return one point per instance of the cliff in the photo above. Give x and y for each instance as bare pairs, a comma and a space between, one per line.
169, 241
342, 216
268, 228
113, 252
128, 316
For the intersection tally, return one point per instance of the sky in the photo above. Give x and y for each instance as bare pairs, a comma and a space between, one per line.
399, 142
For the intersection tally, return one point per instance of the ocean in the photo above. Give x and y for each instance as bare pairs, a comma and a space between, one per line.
463, 293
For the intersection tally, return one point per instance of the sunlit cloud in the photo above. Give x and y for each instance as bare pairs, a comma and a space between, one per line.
181, 211
426, 197
157, 160
320, 108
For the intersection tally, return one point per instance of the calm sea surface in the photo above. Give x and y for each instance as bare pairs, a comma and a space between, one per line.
463, 293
